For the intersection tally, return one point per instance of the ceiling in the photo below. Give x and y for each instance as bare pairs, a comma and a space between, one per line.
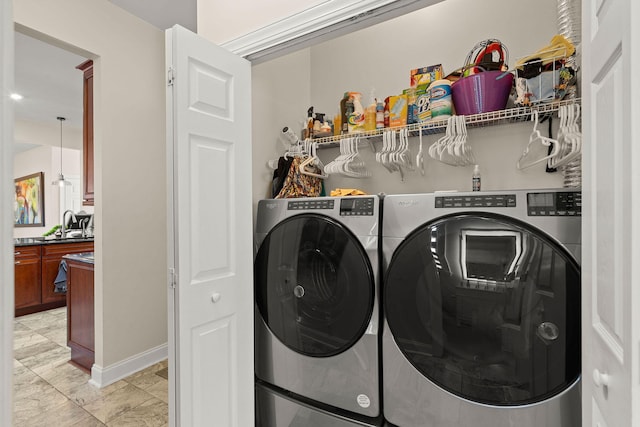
46, 76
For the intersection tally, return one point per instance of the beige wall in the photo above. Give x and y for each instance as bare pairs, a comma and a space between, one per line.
280, 91
130, 176
26, 131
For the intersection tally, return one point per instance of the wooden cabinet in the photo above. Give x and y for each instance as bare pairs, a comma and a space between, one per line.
87, 132
80, 313
27, 276
51, 257
36, 268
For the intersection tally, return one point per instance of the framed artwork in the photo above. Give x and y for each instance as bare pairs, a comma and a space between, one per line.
28, 207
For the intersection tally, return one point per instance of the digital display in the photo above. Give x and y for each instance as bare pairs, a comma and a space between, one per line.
541, 200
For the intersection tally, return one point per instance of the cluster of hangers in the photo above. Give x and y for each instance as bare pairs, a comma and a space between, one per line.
395, 155
452, 149
561, 151
311, 164
348, 163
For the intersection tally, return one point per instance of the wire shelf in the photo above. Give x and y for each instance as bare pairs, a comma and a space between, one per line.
511, 115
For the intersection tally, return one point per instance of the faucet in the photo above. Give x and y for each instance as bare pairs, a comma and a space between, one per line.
64, 222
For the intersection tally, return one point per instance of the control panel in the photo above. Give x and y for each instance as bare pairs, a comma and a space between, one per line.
310, 204
357, 206
480, 201
565, 203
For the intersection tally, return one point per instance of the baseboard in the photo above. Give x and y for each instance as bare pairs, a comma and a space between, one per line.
102, 377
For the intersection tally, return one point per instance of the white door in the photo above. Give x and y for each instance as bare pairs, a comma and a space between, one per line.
611, 214
210, 233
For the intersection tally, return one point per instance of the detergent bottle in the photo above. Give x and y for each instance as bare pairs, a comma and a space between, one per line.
370, 114
356, 118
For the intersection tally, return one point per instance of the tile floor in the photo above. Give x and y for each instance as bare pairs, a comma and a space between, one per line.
48, 391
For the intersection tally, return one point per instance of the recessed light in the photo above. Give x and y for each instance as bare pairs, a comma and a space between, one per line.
16, 96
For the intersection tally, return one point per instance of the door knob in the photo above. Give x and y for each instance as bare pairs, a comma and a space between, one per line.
216, 297
600, 379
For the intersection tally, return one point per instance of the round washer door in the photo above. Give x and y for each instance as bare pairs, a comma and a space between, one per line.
314, 285
487, 308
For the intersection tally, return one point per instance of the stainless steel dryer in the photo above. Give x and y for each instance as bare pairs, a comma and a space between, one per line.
316, 293
482, 304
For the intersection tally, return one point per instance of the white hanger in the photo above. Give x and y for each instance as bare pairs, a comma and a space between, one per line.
420, 155
534, 138
313, 160
569, 136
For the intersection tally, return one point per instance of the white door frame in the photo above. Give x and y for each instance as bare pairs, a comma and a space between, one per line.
6, 215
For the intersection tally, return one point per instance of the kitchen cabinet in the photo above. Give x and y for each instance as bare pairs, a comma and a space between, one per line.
80, 311
51, 257
27, 276
87, 132
36, 268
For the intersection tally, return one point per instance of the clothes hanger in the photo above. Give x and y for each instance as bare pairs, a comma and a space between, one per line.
313, 160
536, 137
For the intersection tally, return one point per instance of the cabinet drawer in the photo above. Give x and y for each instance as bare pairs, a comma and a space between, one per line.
60, 249
23, 252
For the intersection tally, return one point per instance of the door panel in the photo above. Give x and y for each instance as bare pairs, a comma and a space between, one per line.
209, 144
610, 211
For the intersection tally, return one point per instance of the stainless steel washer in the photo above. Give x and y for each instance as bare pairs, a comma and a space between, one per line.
316, 292
482, 309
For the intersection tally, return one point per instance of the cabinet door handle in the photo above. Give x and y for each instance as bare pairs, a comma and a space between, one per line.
17, 253
17, 262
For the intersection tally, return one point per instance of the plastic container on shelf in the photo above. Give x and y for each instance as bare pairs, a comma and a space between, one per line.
482, 92
440, 99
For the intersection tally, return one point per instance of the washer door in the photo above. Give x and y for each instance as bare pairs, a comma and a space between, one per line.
314, 285
487, 308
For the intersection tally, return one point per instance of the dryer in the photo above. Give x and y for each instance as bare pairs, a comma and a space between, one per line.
482, 309
316, 296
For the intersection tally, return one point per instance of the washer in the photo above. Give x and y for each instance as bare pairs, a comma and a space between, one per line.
316, 291
482, 309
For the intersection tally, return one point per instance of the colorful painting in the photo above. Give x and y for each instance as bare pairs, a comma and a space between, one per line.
28, 208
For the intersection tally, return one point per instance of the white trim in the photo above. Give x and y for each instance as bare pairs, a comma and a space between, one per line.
313, 25
102, 377
6, 214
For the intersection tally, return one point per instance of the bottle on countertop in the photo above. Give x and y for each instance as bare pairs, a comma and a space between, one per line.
475, 181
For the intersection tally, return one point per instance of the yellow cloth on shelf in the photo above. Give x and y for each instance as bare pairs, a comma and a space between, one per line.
558, 47
339, 192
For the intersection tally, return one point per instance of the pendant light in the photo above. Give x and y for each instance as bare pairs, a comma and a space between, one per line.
61, 181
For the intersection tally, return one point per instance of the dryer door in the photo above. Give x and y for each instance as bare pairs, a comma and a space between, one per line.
314, 285
487, 308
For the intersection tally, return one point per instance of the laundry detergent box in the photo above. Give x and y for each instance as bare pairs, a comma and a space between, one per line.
426, 75
423, 104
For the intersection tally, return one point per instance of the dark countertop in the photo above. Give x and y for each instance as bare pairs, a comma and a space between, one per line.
86, 257
31, 241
